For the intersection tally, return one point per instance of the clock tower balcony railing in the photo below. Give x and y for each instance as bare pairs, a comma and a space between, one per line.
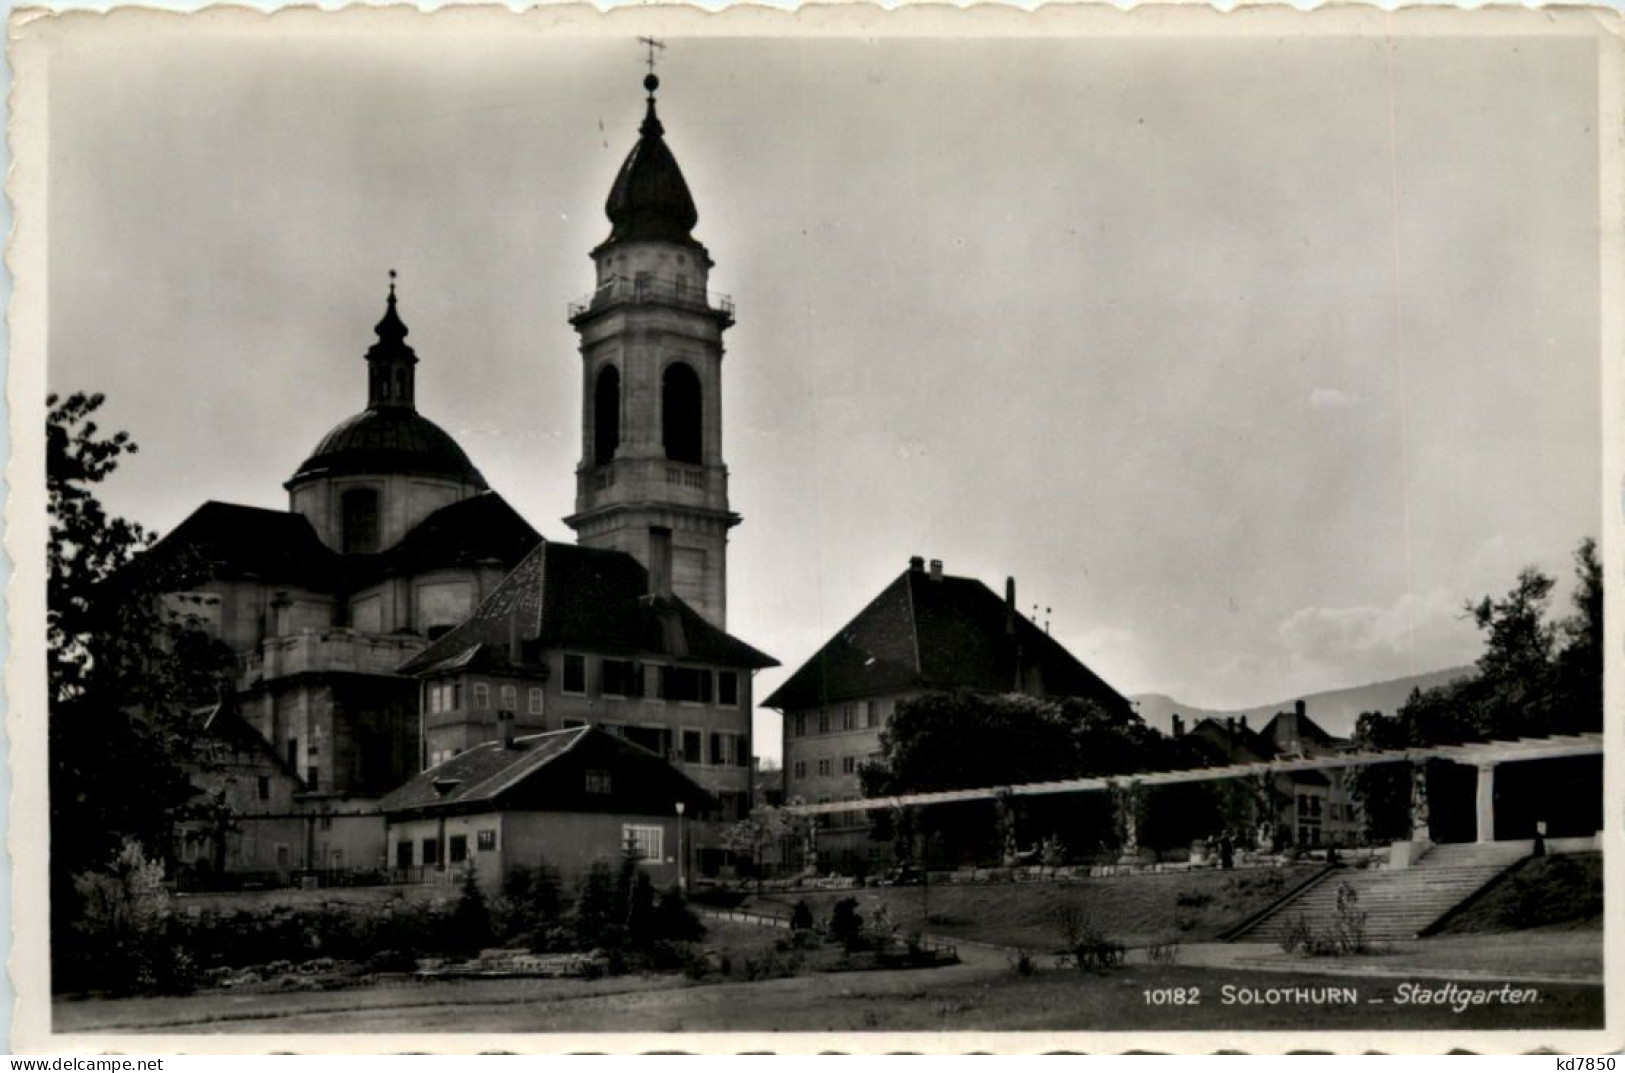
622, 292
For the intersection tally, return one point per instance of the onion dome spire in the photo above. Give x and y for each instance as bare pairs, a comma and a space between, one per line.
390, 375
650, 200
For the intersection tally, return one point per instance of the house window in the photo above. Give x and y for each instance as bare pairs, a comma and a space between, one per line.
645, 841
826, 767
313, 781
293, 753
686, 684
719, 755
265, 787
510, 698
801, 769
741, 751
598, 782
692, 747
620, 678
849, 765
871, 714
458, 848
655, 739
431, 851
728, 689
575, 674
482, 695
403, 854
823, 722
485, 841
801, 726
535, 700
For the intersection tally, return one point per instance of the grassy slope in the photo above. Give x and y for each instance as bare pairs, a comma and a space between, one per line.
1129, 909
1563, 892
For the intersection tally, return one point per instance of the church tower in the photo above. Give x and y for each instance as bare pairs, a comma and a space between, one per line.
651, 481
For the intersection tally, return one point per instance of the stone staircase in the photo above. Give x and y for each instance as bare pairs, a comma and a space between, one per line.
1398, 904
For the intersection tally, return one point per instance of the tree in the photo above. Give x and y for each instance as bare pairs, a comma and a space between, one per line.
1534, 677
1580, 657
766, 826
124, 675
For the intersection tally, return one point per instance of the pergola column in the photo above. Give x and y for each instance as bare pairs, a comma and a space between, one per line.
1420, 831
1485, 803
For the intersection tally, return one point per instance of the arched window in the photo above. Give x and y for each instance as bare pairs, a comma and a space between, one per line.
681, 409
360, 510
606, 415
400, 384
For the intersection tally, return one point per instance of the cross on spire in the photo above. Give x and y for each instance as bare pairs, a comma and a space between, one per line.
653, 44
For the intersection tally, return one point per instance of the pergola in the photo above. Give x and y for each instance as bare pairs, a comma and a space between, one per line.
1484, 755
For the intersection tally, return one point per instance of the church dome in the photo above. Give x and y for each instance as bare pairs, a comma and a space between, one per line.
650, 199
389, 440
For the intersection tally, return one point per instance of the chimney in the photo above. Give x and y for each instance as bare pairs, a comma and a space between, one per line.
659, 561
1010, 605
1299, 709
936, 569
505, 727
1178, 726
916, 564
1230, 724
1244, 722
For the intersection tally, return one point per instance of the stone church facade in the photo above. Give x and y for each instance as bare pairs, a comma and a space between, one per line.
400, 612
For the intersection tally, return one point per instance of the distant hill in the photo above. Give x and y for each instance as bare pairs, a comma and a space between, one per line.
1335, 710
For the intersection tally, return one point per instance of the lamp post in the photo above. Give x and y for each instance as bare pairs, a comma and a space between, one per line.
682, 872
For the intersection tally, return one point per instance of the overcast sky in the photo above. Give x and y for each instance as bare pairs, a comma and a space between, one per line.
1251, 359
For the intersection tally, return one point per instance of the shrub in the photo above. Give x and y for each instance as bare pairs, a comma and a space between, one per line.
470, 924
845, 923
1088, 947
1298, 934
1165, 952
1022, 964
674, 920
594, 921
801, 918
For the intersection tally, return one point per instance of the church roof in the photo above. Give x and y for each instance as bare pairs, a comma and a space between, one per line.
389, 440
650, 199
481, 528
389, 436
936, 633
590, 598
547, 772
229, 540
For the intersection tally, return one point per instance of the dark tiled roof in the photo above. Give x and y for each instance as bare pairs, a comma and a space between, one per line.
542, 771
1235, 743
478, 774
389, 440
223, 722
568, 595
480, 528
227, 540
951, 633
1308, 731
